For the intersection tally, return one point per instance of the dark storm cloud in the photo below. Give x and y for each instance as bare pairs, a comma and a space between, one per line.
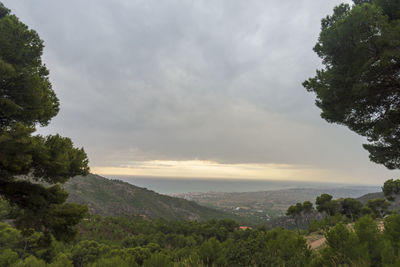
181, 80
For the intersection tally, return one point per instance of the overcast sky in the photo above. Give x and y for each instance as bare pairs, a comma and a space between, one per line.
194, 88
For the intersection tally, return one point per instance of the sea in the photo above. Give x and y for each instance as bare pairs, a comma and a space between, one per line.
171, 186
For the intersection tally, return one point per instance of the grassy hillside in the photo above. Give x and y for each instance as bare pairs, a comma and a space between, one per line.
116, 198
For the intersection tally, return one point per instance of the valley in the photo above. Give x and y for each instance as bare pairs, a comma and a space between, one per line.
264, 206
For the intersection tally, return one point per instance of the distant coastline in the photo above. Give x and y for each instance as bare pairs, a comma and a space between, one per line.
172, 186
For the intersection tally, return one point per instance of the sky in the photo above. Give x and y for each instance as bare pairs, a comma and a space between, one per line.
194, 88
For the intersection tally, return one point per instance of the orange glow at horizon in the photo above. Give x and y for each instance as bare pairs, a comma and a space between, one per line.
210, 169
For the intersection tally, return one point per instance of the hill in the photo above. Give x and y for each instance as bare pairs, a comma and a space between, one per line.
364, 199
394, 205
117, 198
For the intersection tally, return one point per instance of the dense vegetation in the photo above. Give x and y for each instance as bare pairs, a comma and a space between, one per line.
359, 85
27, 100
356, 235
131, 242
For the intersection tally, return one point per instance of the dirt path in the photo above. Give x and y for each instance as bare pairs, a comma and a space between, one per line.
317, 243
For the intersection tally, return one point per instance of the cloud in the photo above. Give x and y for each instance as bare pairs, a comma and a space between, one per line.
191, 80
209, 169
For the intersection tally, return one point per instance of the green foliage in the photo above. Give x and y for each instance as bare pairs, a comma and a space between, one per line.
158, 260
87, 252
389, 257
392, 231
379, 207
218, 243
30, 243
360, 49
5, 209
113, 241
61, 260
191, 261
115, 261
323, 225
30, 96
63, 219
351, 208
367, 245
307, 207
274, 248
210, 251
8, 258
371, 237
391, 188
162, 243
326, 204
318, 225
27, 100
9, 237
344, 248
31, 261
295, 212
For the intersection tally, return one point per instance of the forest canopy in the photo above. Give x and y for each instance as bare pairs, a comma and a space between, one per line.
28, 160
359, 85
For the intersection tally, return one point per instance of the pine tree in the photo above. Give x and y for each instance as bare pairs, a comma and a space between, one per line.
28, 161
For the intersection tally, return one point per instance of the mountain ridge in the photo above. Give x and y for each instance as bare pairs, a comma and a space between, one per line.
118, 198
